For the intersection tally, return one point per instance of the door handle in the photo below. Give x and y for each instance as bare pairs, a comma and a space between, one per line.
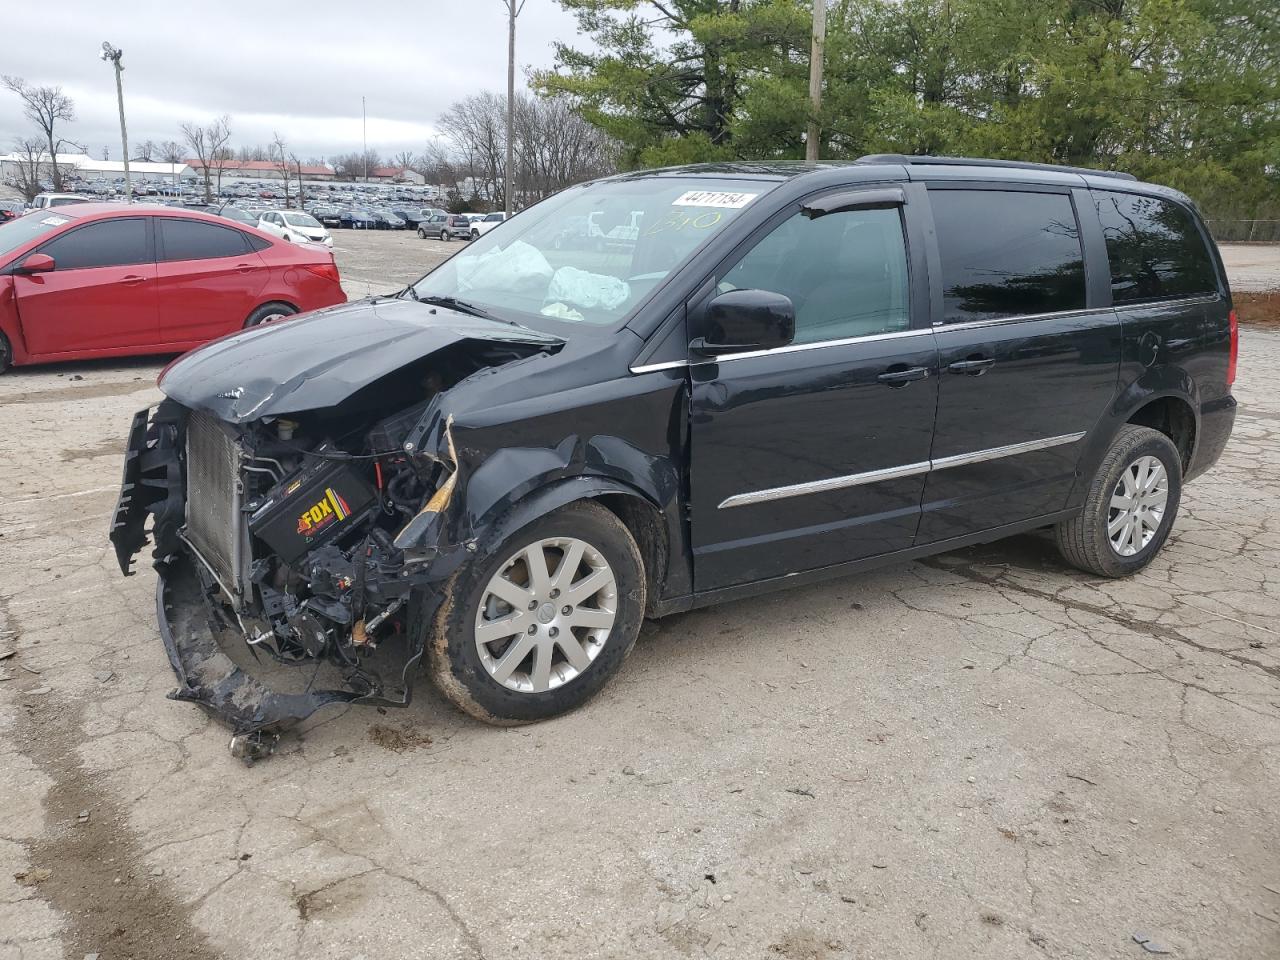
244, 267
899, 378
973, 366
132, 280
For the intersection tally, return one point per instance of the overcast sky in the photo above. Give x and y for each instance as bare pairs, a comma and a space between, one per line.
296, 68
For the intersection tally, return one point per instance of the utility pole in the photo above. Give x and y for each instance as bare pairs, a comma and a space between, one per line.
113, 55
508, 175
364, 127
815, 78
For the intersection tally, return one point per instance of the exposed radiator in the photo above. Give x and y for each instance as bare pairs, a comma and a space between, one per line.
215, 523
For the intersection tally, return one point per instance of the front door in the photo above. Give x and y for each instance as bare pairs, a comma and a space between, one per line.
100, 295
1028, 360
816, 453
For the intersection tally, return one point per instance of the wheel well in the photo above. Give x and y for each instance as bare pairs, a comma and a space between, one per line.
650, 532
1172, 417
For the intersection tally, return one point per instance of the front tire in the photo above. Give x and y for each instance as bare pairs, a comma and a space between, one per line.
543, 620
422, 233
6, 354
1130, 506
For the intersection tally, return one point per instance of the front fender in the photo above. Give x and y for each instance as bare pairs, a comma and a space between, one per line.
517, 485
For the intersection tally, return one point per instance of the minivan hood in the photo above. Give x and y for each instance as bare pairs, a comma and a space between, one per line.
320, 359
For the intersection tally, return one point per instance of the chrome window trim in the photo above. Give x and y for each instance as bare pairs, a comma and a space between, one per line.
897, 473
822, 486
1055, 314
666, 365
798, 347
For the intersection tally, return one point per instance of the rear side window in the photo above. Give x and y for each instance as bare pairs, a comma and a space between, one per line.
1006, 254
104, 243
1154, 249
196, 240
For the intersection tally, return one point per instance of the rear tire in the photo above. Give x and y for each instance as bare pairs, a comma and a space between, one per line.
444, 235
268, 312
6, 354
584, 637
1130, 506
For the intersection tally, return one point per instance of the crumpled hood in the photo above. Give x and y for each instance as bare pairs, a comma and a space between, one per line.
321, 358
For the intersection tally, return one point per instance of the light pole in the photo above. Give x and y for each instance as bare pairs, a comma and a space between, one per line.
113, 55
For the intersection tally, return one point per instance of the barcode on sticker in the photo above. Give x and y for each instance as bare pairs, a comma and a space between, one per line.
713, 198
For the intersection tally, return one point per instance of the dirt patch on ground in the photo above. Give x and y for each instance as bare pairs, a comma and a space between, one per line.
70, 394
88, 864
107, 448
399, 738
1258, 309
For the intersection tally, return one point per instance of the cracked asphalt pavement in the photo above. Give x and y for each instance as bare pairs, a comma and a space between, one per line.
985, 754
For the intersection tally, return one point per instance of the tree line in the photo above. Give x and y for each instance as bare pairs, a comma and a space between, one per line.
1184, 92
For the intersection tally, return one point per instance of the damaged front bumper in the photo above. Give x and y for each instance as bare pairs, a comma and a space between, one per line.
207, 675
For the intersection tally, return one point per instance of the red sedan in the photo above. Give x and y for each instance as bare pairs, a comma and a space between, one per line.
105, 280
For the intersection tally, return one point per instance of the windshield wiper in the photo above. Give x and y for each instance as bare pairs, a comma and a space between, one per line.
462, 306
411, 292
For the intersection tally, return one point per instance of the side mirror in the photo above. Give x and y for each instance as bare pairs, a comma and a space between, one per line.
743, 320
36, 263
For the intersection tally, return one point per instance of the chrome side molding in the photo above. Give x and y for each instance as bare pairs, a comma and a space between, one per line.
896, 473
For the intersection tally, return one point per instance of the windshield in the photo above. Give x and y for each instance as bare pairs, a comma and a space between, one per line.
300, 220
17, 232
589, 255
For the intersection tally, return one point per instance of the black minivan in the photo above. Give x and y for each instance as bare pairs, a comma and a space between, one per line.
760, 374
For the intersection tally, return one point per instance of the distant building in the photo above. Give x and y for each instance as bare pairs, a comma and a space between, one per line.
397, 175
84, 166
261, 169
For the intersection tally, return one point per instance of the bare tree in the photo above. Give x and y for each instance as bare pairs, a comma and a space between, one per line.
477, 128
280, 158
209, 144
46, 107
351, 166
30, 153
171, 152
404, 160
552, 147
147, 150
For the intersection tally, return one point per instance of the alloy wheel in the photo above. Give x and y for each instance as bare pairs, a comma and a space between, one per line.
546, 615
1138, 505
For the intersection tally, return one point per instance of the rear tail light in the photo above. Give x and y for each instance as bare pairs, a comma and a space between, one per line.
1234, 325
325, 271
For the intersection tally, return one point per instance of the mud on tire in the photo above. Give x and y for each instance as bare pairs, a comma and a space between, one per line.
454, 659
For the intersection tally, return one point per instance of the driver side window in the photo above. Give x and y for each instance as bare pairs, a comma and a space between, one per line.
845, 273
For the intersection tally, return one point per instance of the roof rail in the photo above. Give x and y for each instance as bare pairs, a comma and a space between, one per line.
979, 162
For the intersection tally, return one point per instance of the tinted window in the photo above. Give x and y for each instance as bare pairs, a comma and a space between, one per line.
1007, 253
107, 243
1154, 249
846, 273
194, 240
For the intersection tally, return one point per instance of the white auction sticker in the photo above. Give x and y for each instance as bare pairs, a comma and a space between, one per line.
53, 221
712, 198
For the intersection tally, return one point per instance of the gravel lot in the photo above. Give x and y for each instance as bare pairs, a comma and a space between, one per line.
984, 754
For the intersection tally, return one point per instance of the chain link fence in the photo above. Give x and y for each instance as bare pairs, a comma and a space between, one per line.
1245, 231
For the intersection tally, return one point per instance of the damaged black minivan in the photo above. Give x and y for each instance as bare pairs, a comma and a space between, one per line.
667, 389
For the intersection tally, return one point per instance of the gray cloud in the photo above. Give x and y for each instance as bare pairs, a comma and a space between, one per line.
297, 69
